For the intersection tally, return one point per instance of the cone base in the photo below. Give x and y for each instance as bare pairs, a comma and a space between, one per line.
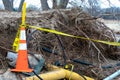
22, 70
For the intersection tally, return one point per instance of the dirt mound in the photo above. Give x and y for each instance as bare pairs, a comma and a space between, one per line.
75, 22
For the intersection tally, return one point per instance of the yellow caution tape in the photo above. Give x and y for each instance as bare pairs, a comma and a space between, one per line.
16, 41
23, 13
69, 35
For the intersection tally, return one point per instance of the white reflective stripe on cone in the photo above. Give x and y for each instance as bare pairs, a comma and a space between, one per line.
22, 46
22, 35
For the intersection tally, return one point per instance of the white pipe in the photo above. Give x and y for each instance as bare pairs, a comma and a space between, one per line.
112, 75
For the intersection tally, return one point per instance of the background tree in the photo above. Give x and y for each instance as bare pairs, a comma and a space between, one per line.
59, 4
20, 6
54, 4
8, 4
63, 4
94, 7
44, 5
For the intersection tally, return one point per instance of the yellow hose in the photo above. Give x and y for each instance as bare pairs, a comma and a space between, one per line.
58, 73
53, 75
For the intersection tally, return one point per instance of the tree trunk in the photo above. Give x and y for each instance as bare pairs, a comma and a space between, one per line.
20, 6
12, 2
44, 5
63, 4
8, 5
54, 4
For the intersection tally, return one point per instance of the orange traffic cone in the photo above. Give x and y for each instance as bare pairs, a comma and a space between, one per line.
22, 60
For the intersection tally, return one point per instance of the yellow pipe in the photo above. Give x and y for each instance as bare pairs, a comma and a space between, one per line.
74, 76
58, 73
53, 75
